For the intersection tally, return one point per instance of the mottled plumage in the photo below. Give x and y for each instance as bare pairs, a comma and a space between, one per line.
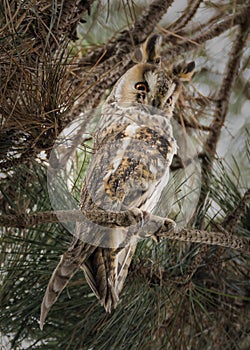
134, 147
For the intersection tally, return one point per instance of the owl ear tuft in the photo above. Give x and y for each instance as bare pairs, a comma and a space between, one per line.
137, 57
149, 50
184, 71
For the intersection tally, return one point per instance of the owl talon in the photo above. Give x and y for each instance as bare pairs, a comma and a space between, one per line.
169, 226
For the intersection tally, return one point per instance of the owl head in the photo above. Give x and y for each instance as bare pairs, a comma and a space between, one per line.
148, 82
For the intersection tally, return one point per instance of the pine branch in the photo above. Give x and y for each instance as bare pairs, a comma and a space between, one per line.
121, 45
28, 220
34, 37
157, 308
187, 15
211, 238
69, 15
96, 215
222, 104
213, 31
125, 218
46, 25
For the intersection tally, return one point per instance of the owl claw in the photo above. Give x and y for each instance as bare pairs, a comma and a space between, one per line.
168, 226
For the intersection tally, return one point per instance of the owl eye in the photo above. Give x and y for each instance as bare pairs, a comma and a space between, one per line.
169, 100
141, 87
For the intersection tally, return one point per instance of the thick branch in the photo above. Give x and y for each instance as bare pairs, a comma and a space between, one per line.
211, 238
101, 217
126, 218
149, 20
28, 220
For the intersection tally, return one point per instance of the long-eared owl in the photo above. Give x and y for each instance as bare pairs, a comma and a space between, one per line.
133, 150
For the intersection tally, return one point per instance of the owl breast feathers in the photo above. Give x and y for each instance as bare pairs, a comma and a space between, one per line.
133, 150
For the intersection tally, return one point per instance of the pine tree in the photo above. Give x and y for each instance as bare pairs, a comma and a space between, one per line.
59, 60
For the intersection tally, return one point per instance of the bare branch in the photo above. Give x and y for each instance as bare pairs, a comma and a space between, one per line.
187, 15
224, 93
214, 31
147, 23
99, 216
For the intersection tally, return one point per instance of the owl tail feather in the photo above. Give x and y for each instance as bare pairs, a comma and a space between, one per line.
101, 275
64, 271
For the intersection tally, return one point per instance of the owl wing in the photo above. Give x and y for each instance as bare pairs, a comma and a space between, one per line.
128, 171
124, 260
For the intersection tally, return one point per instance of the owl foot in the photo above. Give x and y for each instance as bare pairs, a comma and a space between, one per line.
156, 227
167, 227
112, 218
140, 224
